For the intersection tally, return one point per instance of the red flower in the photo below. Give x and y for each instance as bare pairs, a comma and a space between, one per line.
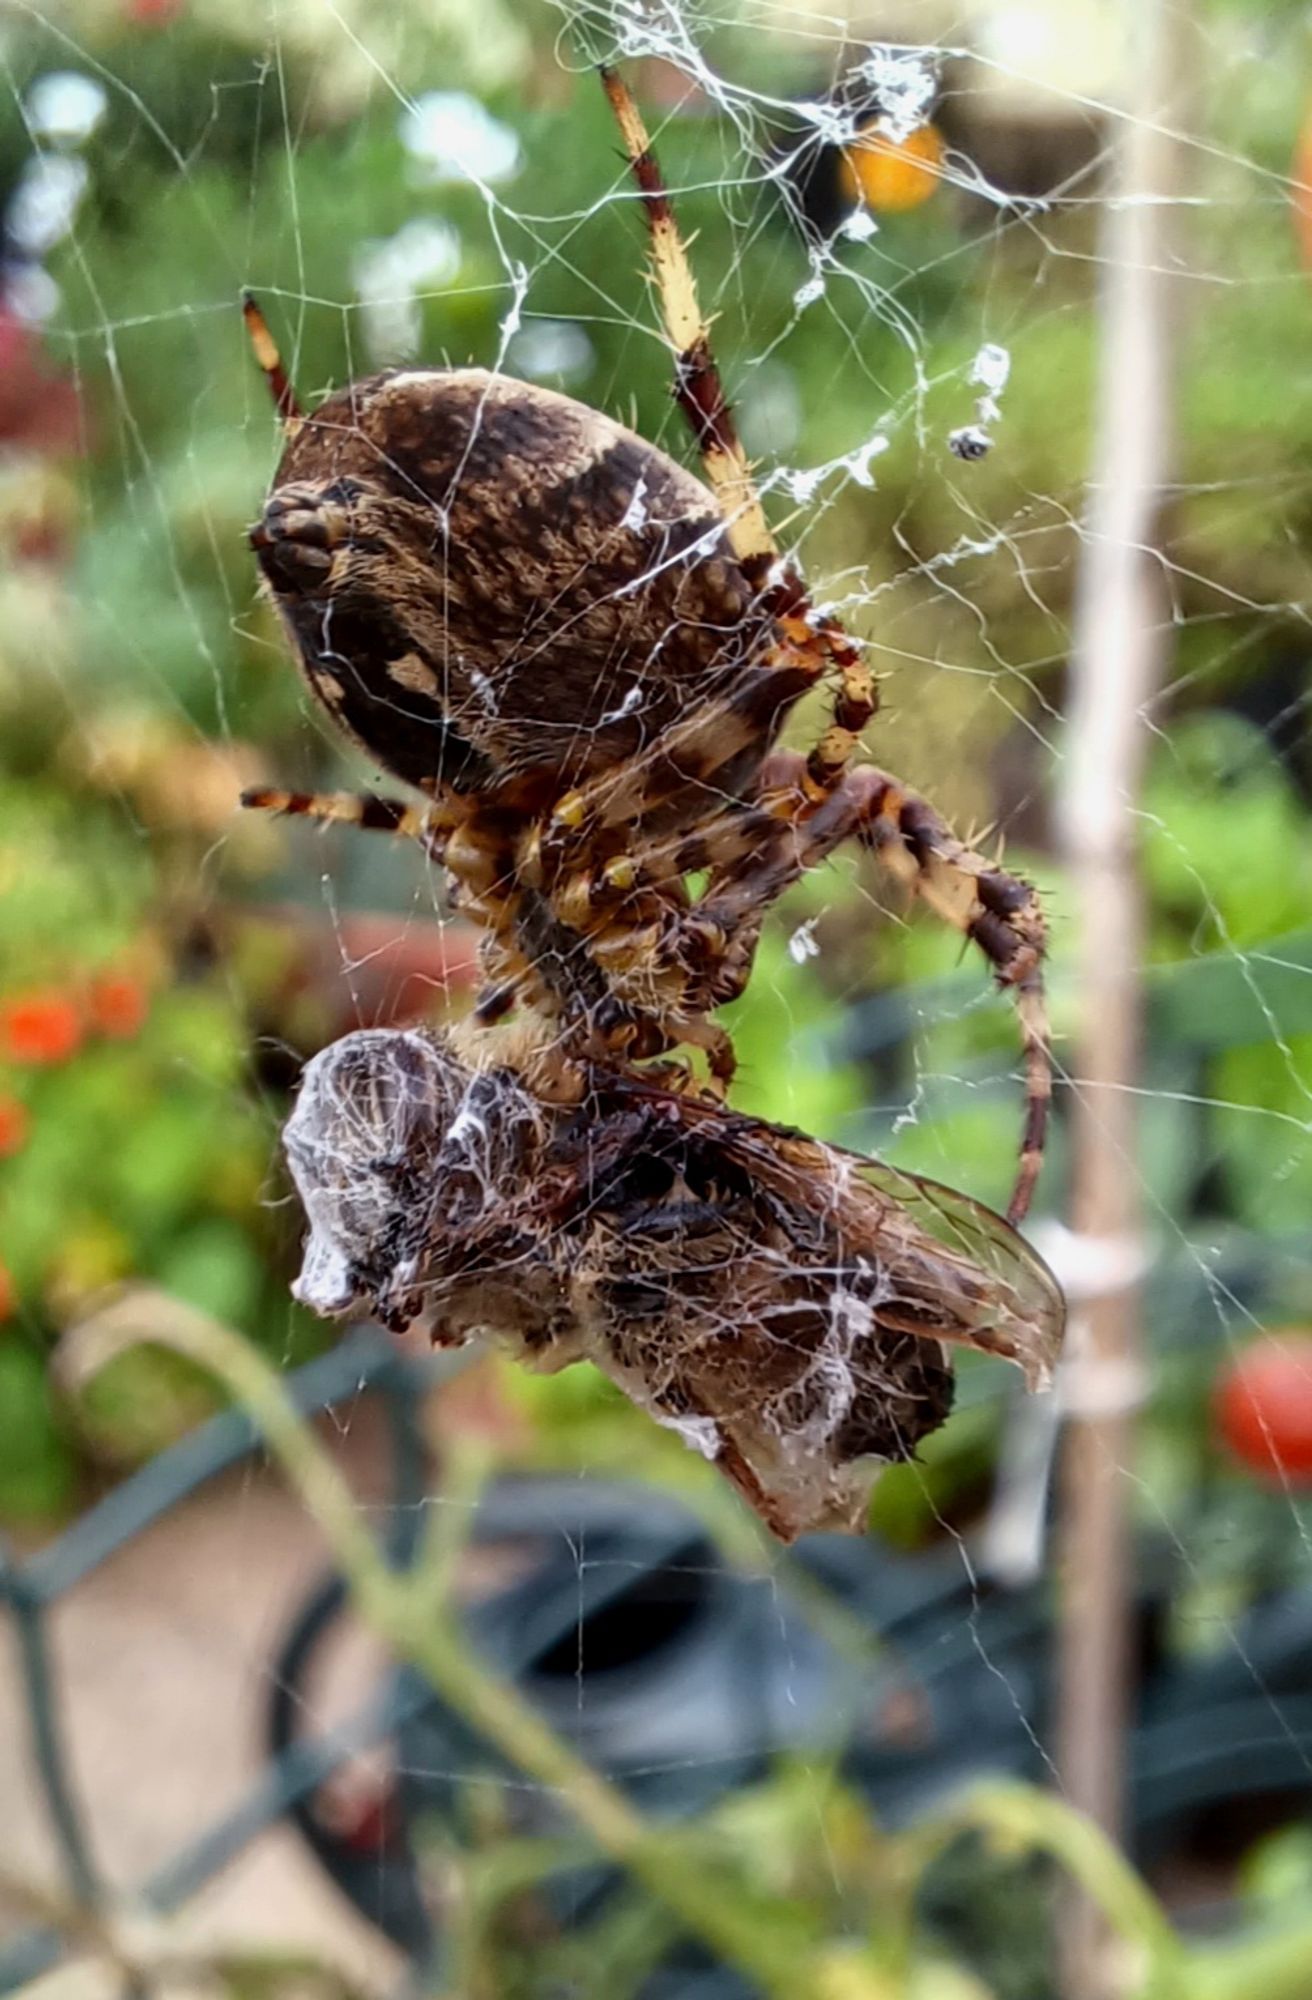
1263, 1405
39, 407
43, 1026
117, 1004
14, 1124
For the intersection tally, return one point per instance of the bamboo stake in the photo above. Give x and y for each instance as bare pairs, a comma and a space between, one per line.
1122, 626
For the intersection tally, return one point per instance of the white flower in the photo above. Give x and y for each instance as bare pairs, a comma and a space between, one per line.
457, 139
44, 203
388, 274
550, 347
64, 108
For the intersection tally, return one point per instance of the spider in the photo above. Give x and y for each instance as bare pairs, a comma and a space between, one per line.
582, 656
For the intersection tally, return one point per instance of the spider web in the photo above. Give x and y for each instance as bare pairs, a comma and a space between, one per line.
916, 379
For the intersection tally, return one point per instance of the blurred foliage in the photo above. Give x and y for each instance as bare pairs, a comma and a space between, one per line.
164, 965
136, 1147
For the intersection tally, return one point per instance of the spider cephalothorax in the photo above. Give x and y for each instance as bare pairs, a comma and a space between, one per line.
789, 1308
583, 656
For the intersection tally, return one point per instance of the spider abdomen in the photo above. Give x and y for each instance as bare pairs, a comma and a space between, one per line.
490, 584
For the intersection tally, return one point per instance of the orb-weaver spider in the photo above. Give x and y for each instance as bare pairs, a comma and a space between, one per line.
583, 656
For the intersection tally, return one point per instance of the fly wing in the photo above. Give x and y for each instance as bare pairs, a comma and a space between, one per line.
953, 1269
1016, 1307
950, 1269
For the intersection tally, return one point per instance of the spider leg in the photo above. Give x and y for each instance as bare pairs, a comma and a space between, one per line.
698, 389
784, 834
997, 911
369, 810
717, 1046
700, 395
269, 359
484, 895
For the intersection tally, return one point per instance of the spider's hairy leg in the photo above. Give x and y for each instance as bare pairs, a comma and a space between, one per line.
370, 810
700, 395
689, 769
649, 989
266, 354
698, 389
855, 703
504, 973
998, 912
482, 894
717, 1046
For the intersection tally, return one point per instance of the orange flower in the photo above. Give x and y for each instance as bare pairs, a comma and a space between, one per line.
14, 1125
1301, 187
892, 174
8, 1296
117, 1004
43, 1026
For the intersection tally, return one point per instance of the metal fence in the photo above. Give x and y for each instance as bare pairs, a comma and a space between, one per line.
366, 1360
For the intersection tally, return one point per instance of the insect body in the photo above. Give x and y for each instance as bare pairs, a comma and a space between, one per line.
789, 1308
582, 657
